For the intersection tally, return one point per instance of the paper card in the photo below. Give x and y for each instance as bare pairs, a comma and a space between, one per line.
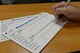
0, 30
11, 23
35, 34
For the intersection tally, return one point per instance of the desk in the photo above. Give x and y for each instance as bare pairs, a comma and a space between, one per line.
67, 40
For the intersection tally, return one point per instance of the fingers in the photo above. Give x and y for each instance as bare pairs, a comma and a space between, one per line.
62, 4
61, 11
66, 13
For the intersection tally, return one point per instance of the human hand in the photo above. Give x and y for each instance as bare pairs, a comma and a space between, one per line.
70, 12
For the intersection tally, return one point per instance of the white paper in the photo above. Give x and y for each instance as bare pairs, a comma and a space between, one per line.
2, 38
11, 23
0, 30
35, 34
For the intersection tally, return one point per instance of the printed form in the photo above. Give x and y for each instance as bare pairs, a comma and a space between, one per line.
35, 33
6, 24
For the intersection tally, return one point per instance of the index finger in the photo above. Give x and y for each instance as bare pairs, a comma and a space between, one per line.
62, 4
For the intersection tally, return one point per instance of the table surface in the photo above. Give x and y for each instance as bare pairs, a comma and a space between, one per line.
67, 40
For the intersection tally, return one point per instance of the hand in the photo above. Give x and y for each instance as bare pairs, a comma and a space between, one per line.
71, 12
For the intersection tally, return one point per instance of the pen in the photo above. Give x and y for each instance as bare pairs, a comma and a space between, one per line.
61, 16
67, 3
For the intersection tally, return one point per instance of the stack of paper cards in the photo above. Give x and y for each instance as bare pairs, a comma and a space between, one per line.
7, 24
31, 32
